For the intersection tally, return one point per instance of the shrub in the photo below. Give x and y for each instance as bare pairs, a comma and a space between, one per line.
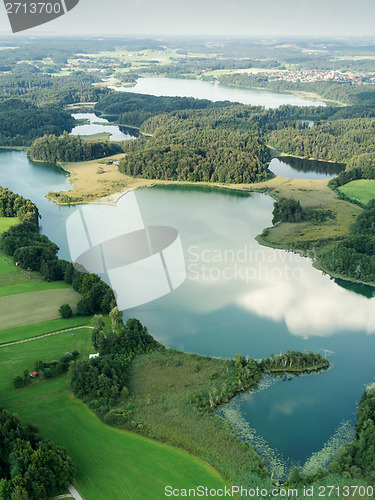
65, 311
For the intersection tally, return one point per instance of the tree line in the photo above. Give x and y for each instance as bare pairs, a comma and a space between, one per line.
31, 467
70, 148
354, 256
36, 252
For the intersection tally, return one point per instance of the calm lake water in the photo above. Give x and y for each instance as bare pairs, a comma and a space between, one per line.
98, 125
300, 168
214, 91
240, 297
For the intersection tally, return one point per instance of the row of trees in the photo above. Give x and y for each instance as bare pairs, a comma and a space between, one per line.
36, 252
294, 361
66, 148
30, 466
14, 205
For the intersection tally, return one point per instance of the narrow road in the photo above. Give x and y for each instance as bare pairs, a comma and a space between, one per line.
75, 493
45, 335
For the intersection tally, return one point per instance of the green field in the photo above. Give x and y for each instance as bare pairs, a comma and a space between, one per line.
32, 307
7, 222
362, 190
42, 328
111, 463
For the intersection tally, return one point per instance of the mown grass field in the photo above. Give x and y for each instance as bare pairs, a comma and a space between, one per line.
40, 328
7, 222
112, 464
32, 307
362, 190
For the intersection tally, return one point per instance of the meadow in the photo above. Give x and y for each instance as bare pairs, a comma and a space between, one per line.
362, 190
111, 463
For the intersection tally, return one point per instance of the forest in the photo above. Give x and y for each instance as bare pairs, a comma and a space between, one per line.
134, 109
31, 467
21, 122
69, 148
340, 140
205, 145
102, 382
29, 83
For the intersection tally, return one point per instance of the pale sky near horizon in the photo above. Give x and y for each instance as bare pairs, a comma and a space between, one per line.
213, 18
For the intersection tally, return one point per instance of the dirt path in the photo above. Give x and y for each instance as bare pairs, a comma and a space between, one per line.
74, 493
45, 335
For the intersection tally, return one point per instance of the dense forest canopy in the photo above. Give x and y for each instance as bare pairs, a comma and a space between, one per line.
133, 109
30, 467
205, 145
21, 122
67, 148
340, 140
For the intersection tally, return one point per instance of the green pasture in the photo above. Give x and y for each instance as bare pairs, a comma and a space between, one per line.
41, 328
7, 222
32, 307
362, 190
16, 358
111, 463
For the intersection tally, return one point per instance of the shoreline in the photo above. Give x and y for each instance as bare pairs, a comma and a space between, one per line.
274, 187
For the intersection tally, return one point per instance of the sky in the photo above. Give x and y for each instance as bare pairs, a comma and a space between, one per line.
263, 18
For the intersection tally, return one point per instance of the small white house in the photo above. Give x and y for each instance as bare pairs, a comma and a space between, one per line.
91, 356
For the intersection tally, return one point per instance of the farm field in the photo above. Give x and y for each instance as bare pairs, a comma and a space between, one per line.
362, 190
32, 307
109, 461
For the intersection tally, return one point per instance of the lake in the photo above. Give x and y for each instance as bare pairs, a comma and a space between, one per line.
301, 168
240, 297
97, 125
213, 91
